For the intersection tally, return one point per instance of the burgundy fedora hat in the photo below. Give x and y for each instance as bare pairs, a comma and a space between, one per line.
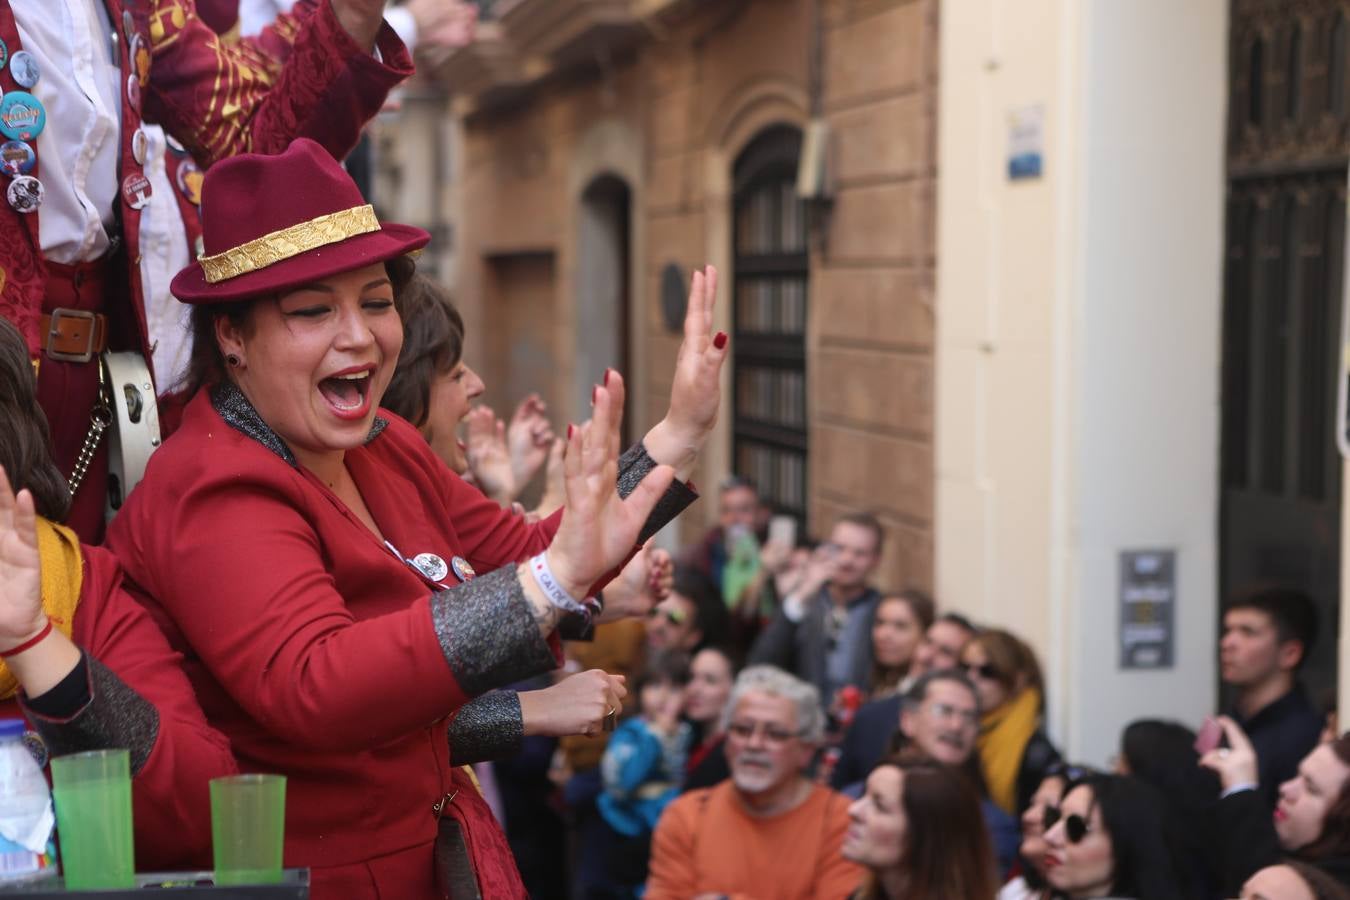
272, 223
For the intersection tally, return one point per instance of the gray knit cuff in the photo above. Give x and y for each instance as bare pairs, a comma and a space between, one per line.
489, 728
488, 633
634, 466
115, 717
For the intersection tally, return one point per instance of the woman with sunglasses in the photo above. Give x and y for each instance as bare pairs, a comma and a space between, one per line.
1040, 815
1112, 839
1014, 751
1311, 822
315, 561
919, 831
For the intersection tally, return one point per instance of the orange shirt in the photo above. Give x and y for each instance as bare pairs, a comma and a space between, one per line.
707, 843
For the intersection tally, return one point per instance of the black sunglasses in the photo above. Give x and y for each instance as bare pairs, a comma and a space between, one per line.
986, 671
1075, 826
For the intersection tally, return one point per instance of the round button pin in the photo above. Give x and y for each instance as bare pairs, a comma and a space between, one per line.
134, 92
17, 158
140, 146
463, 571
140, 59
22, 116
25, 193
189, 180
431, 565
128, 25
4, 53
24, 68
136, 191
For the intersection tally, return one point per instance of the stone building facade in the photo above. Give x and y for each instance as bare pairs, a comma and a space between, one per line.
602, 149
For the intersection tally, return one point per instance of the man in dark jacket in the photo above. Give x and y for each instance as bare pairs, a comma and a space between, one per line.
822, 633
1266, 638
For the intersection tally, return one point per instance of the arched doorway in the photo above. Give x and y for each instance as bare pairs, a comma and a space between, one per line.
604, 264
769, 315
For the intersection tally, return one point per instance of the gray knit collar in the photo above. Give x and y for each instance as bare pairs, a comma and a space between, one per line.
240, 415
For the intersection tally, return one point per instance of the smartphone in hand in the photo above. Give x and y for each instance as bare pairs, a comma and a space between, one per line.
783, 530
1209, 736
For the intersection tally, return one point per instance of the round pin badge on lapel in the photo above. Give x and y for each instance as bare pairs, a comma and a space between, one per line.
430, 565
25, 194
463, 571
17, 158
24, 69
22, 116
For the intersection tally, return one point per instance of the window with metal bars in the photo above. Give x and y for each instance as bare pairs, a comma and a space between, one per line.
769, 312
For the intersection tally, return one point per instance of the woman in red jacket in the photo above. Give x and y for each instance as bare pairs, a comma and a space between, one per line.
315, 560
79, 658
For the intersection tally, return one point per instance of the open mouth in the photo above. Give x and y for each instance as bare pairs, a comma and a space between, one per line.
348, 392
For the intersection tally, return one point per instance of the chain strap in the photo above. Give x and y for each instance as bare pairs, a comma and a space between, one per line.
100, 419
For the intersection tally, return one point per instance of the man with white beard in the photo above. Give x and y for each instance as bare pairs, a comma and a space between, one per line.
767, 832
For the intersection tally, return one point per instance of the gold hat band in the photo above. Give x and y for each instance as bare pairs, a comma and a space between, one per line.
262, 252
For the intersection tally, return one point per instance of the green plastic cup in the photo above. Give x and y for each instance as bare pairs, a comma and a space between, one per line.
248, 824
93, 819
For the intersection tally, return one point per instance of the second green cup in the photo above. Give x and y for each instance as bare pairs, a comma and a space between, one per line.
248, 825
93, 818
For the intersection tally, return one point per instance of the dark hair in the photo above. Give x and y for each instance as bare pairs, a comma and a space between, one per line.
923, 609
1163, 755
433, 342
946, 851
1013, 660
710, 613
206, 365
868, 521
1334, 838
734, 662
670, 666
1321, 884
960, 621
1291, 611
25, 440
1143, 854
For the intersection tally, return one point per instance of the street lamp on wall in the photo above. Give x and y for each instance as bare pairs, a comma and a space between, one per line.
815, 187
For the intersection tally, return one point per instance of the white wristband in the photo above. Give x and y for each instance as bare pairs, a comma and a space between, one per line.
554, 591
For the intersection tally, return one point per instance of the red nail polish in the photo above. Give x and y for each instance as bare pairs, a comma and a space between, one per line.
720, 340
608, 372
595, 388
570, 429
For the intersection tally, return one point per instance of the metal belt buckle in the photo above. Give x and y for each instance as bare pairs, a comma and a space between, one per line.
55, 330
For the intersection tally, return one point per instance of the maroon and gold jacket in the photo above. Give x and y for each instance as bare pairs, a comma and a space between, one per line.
304, 77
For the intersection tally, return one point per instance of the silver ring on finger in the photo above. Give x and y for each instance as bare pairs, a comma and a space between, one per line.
611, 719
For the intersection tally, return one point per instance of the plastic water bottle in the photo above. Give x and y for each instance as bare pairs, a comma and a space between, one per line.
27, 821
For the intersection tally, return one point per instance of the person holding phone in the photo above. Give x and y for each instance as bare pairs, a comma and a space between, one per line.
1311, 822
822, 632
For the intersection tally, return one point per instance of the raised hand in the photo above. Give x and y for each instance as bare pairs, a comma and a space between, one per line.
555, 493
361, 19
443, 25
528, 439
1235, 764
641, 584
599, 529
485, 450
21, 613
695, 393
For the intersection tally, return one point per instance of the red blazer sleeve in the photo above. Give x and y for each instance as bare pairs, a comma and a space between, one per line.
221, 99
260, 609
170, 796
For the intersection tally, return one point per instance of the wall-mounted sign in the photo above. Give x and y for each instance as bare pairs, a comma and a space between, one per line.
1026, 142
1148, 589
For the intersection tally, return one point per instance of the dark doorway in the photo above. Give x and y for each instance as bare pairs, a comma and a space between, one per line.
604, 271
1288, 145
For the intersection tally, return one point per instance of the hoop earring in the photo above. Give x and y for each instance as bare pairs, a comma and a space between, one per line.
232, 360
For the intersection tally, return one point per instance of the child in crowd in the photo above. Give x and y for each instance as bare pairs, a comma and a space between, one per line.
644, 764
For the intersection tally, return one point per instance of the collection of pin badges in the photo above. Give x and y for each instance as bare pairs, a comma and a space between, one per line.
23, 118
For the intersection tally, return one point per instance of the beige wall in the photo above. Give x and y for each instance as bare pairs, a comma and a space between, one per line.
1078, 338
671, 123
